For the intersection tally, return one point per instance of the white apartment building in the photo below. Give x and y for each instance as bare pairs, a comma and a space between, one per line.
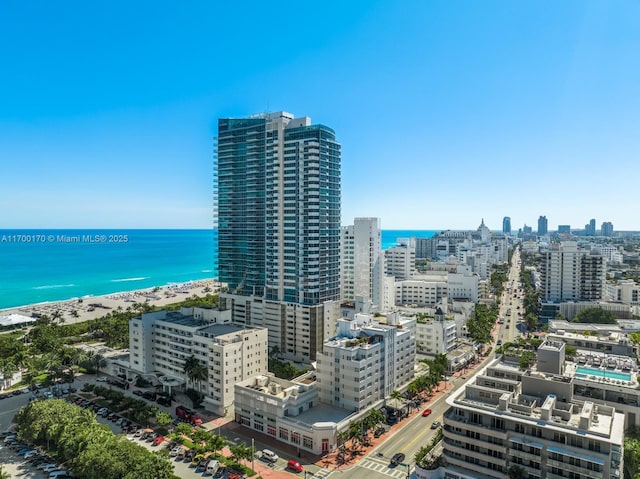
611, 253
430, 288
292, 327
161, 342
571, 274
625, 291
366, 361
400, 261
361, 260
436, 335
505, 418
422, 291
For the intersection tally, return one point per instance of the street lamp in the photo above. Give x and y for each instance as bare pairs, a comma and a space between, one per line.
253, 454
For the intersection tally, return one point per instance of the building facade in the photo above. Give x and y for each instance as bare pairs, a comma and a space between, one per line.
161, 342
366, 361
571, 274
505, 419
543, 226
506, 225
361, 260
277, 199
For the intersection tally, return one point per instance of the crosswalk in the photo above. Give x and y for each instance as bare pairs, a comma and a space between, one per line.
398, 472
380, 467
322, 474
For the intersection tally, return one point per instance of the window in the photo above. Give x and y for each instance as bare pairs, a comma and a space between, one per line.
284, 434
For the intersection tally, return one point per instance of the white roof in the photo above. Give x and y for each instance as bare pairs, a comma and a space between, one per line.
13, 319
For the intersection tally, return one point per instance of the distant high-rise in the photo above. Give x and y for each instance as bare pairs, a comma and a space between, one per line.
506, 225
590, 228
564, 229
362, 263
542, 226
607, 229
278, 214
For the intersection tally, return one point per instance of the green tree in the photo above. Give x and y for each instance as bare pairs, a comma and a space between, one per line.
595, 315
241, 452
163, 418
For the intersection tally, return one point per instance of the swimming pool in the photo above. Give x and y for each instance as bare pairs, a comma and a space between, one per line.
603, 373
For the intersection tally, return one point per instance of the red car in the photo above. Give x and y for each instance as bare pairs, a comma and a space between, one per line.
426, 412
294, 465
158, 440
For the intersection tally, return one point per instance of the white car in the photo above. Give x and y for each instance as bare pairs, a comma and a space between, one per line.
175, 451
101, 379
42, 466
51, 468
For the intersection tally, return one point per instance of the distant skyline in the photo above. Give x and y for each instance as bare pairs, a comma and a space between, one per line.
447, 112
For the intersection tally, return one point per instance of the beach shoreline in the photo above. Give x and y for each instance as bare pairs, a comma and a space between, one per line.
92, 307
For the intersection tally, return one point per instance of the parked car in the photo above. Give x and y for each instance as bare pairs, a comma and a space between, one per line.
435, 425
426, 412
174, 452
269, 455
101, 379
137, 392
295, 466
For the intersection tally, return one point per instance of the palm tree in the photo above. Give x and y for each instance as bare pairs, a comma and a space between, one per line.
98, 362
195, 371
516, 472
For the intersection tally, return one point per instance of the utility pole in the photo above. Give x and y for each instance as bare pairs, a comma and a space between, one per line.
253, 453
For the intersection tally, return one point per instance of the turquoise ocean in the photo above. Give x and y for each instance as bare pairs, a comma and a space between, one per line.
53, 265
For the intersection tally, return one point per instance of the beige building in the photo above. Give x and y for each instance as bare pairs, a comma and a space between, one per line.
161, 342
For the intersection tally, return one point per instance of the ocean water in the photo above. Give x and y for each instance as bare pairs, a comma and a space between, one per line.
53, 265
41, 265
390, 237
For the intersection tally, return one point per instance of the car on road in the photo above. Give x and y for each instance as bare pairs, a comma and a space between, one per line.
499, 342
295, 466
435, 425
397, 458
426, 412
101, 379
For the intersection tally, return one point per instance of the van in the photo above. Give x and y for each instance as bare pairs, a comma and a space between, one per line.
212, 467
269, 455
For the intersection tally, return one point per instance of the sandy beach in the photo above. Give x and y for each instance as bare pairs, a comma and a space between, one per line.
92, 307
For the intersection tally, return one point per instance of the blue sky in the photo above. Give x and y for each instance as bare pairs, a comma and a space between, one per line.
448, 112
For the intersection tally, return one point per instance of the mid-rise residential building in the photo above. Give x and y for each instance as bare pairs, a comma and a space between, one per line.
366, 361
362, 265
161, 342
506, 421
277, 198
400, 261
436, 335
626, 291
571, 274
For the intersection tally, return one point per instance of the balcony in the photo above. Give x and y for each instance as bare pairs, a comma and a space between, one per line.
579, 470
